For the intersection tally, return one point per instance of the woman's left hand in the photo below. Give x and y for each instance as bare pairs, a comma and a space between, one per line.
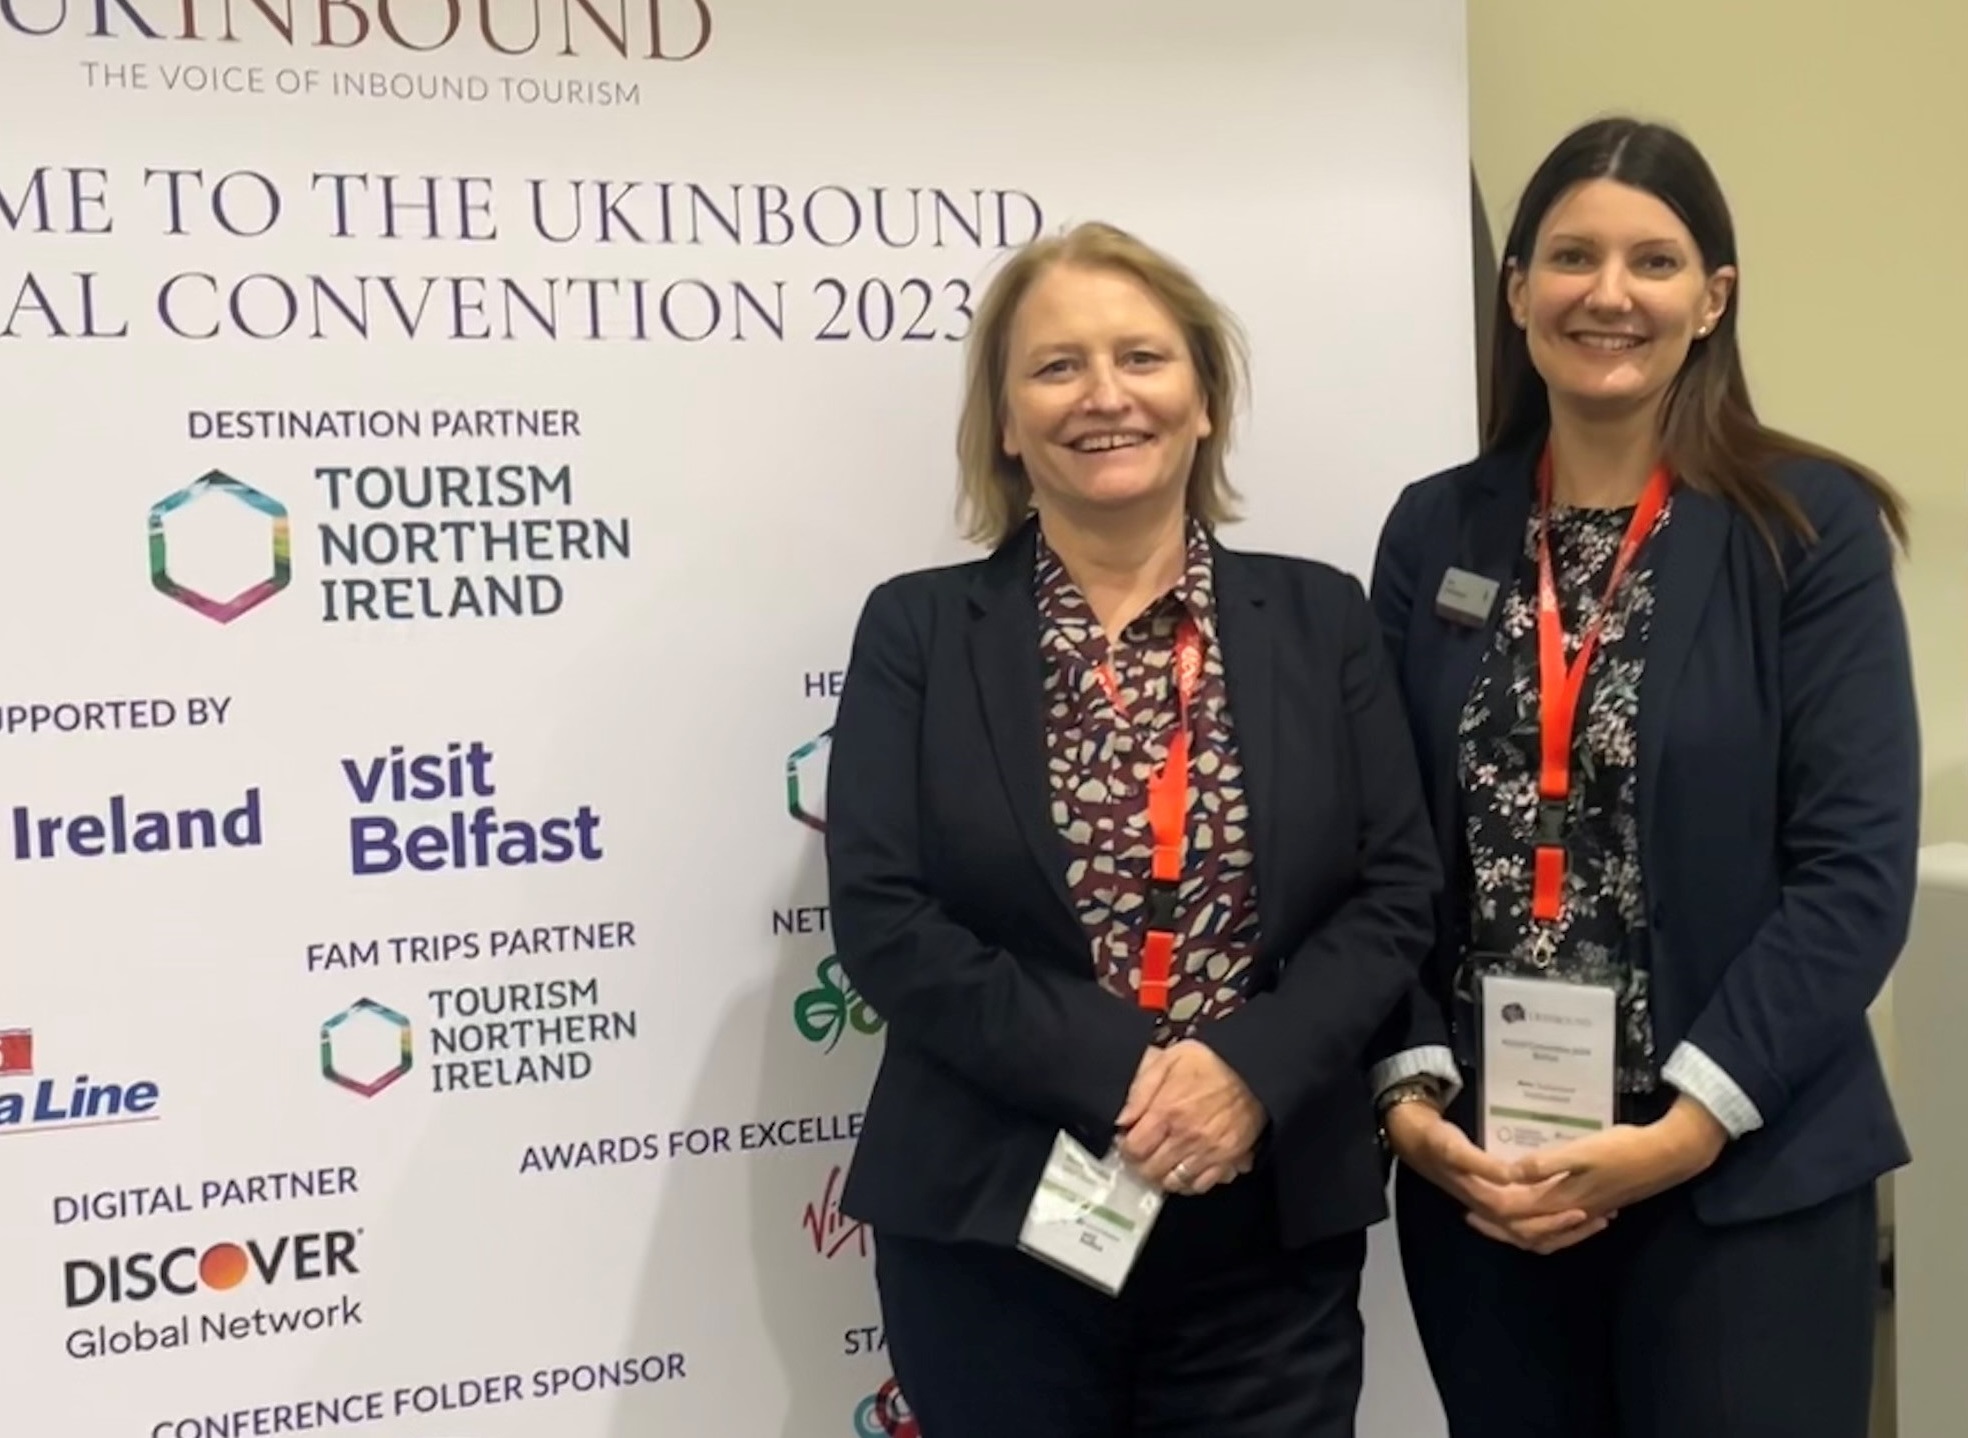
1193, 1123
1606, 1172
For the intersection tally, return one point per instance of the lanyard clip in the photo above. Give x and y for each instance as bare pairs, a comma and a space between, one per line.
1549, 830
1161, 905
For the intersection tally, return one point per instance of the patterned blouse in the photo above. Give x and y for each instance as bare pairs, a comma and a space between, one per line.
1098, 763
1603, 903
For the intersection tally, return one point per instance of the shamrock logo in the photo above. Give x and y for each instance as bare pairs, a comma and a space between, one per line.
824, 1013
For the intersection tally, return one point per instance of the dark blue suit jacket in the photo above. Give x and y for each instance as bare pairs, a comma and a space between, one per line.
1779, 795
954, 921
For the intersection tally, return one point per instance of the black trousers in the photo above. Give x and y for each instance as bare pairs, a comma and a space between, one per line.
1659, 1327
1217, 1334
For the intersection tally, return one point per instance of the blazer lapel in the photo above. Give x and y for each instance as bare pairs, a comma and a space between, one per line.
1006, 663
1690, 556
1490, 543
1246, 633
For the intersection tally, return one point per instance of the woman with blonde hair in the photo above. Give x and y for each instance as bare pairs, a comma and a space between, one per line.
1127, 845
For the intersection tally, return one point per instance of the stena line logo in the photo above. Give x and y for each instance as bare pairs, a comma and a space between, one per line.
35, 1102
636, 30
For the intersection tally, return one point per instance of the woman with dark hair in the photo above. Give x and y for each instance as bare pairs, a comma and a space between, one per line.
1657, 673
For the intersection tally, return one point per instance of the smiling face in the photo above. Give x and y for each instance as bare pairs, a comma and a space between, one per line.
1102, 403
1613, 296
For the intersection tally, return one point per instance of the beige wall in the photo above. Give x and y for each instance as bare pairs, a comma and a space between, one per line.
1838, 129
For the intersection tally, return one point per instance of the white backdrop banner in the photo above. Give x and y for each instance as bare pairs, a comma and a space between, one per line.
447, 443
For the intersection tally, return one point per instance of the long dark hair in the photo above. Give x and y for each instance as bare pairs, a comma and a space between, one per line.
1710, 434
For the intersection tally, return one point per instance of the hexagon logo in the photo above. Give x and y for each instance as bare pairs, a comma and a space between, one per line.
241, 552
806, 781
365, 1048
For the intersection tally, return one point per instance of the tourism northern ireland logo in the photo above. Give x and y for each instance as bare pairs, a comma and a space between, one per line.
386, 543
220, 547
806, 781
366, 1047
477, 1037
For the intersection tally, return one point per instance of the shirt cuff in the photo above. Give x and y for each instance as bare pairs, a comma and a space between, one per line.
1702, 1079
1434, 1061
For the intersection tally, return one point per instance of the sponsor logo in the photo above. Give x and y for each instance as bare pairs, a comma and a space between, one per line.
186, 1271
647, 31
830, 1009
122, 827
467, 834
196, 532
481, 1036
444, 541
885, 1413
394, 543
79, 1102
136, 1336
366, 1066
806, 781
830, 1231
16, 1052
189, 1271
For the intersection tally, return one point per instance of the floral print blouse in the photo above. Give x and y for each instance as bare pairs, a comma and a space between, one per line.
1603, 908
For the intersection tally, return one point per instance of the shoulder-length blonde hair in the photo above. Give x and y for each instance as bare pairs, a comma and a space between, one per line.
996, 494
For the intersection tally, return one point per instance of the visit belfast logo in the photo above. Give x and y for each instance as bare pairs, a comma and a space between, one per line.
365, 1048
220, 547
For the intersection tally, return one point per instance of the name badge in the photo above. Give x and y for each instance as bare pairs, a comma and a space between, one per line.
1548, 1062
1089, 1216
1465, 598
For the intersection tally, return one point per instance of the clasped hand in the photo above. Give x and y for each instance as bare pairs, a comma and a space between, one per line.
1190, 1122
1565, 1194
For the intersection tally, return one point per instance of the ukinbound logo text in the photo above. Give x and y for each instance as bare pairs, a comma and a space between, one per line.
174, 548
659, 30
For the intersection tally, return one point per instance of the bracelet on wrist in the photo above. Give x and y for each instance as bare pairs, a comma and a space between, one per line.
1417, 1090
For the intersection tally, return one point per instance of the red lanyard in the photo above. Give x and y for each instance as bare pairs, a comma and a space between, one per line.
1560, 685
1168, 812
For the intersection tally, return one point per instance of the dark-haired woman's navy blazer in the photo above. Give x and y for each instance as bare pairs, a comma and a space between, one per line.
1779, 798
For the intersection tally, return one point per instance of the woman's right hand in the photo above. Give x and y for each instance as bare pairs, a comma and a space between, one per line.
1498, 1208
